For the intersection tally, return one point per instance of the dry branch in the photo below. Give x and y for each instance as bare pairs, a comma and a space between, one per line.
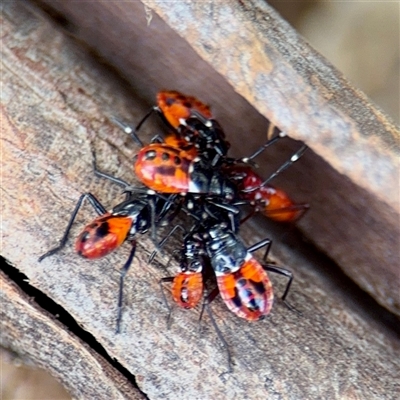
55, 103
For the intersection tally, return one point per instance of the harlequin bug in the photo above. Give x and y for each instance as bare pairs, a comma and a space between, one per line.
110, 229
167, 169
177, 107
242, 281
272, 202
187, 285
190, 120
174, 108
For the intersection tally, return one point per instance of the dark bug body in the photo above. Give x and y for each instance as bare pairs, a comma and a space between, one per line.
242, 282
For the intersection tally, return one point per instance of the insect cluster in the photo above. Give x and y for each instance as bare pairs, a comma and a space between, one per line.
188, 169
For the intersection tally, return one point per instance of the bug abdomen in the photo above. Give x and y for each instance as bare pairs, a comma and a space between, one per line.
187, 289
163, 168
248, 291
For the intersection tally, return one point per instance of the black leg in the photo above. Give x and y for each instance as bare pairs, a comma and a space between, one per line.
207, 300
169, 201
157, 139
206, 122
231, 209
161, 244
162, 280
97, 172
98, 207
123, 273
247, 160
263, 243
288, 274
128, 130
247, 217
206, 305
154, 109
152, 205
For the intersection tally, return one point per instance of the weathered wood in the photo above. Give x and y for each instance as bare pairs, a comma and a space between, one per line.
352, 185
55, 100
31, 332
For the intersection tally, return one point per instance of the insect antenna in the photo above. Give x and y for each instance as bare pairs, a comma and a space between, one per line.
284, 166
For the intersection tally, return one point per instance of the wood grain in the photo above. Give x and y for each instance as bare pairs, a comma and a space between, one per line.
55, 102
31, 332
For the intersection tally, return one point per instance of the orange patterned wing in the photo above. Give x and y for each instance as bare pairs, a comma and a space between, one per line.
103, 235
274, 203
280, 207
187, 150
163, 168
248, 291
176, 106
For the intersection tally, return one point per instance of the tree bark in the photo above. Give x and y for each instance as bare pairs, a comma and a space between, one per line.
56, 103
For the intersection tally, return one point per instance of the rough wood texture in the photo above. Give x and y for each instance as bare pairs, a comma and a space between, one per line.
355, 204
32, 333
55, 100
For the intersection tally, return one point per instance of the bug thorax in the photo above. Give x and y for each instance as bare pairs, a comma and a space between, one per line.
192, 255
138, 211
227, 253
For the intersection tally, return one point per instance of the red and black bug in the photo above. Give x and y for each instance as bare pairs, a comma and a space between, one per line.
190, 165
242, 281
167, 169
272, 202
188, 285
109, 230
214, 249
175, 108
190, 120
